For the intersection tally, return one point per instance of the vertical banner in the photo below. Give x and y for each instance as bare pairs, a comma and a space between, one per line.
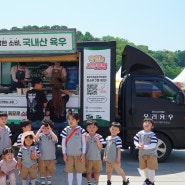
96, 91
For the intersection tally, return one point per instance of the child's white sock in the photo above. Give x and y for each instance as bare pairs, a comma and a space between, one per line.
146, 172
70, 178
151, 174
32, 181
79, 178
24, 182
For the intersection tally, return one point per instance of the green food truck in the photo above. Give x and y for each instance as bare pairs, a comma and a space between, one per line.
90, 70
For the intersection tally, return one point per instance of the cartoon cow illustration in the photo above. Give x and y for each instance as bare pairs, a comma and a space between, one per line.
32, 102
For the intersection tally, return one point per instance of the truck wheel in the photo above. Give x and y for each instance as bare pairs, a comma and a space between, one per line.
164, 147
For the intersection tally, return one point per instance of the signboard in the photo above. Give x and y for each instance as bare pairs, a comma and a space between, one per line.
58, 41
96, 90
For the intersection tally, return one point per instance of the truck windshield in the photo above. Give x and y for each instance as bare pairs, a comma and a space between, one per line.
155, 89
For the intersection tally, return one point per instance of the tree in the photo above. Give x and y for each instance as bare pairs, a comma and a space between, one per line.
45, 28
171, 62
80, 36
29, 27
88, 37
57, 27
180, 58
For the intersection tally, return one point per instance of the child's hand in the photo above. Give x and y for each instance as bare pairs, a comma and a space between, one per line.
97, 139
86, 137
82, 158
50, 130
19, 167
2, 173
34, 155
42, 127
104, 159
141, 146
0, 130
65, 157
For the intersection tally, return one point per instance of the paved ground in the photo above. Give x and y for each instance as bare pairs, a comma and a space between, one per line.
172, 172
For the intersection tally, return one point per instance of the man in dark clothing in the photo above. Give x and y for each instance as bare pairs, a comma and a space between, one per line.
36, 102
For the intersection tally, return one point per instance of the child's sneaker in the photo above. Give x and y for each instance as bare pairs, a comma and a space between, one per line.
126, 182
108, 182
151, 183
146, 182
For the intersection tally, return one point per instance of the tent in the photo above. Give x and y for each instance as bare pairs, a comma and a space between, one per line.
118, 79
117, 82
180, 79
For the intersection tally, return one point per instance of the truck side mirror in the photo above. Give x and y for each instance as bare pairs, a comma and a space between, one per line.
179, 97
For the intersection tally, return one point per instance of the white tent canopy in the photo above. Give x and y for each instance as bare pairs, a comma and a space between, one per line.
118, 78
180, 77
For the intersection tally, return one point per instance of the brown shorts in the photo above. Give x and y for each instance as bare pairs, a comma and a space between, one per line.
93, 165
44, 165
31, 171
110, 166
74, 162
148, 161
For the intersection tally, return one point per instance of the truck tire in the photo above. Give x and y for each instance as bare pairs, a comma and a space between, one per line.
164, 147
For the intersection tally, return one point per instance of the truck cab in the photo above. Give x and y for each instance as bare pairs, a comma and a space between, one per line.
144, 92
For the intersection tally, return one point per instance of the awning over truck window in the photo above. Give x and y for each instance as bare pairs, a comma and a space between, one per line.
46, 58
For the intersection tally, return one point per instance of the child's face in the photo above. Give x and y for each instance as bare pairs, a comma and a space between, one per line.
3, 120
72, 121
26, 128
114, 131
8, 157
92, 129
147, 126
45, 130
38, 86
28, 141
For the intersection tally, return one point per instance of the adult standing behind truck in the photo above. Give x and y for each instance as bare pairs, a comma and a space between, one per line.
19, 75
56, 109
57, 74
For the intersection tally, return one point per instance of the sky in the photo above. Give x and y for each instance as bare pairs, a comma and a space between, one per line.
158, 24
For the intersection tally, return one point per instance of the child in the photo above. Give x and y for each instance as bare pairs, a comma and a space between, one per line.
146, 141
112, 153
27, 158
36, 102
74, 147
8, 166
46, 140
25, 124
5, 133
94, 142
56, 109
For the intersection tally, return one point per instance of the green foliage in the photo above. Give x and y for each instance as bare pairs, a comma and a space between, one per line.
166, 59
180, 58
172, 63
